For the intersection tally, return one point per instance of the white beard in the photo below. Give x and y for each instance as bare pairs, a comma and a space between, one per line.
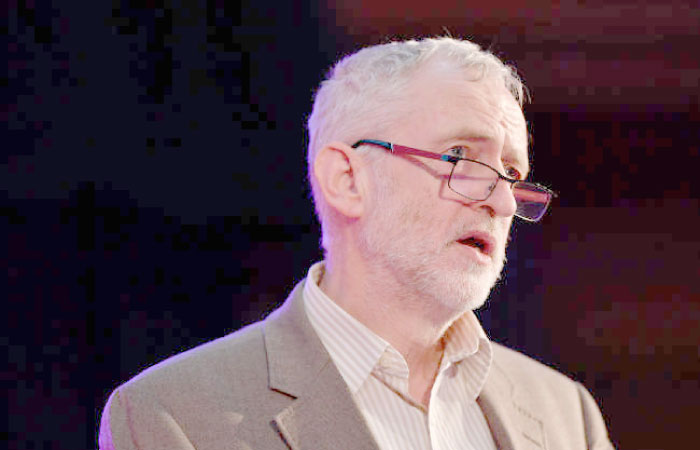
401, 245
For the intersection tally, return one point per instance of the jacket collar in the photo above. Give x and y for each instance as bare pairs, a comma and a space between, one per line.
514, 426
322, 414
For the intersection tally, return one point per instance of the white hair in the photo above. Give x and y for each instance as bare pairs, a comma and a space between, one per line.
357, 97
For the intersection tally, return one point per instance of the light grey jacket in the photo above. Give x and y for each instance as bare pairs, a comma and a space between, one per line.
272, 386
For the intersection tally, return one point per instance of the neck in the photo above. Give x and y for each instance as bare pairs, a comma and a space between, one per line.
412, 324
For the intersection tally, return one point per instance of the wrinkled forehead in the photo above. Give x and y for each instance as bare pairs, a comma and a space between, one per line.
479, 103
513, 121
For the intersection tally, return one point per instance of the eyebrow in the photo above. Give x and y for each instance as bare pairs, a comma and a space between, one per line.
470, 135
481, 137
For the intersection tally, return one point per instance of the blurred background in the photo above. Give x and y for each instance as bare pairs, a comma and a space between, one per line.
153, 196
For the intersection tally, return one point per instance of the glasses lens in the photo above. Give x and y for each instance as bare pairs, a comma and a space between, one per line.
476, 181
532, 200
473, 180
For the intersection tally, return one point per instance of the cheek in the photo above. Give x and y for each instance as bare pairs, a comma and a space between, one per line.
417, 202
505, 235
427, 219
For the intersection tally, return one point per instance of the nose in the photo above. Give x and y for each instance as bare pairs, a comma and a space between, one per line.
501, 202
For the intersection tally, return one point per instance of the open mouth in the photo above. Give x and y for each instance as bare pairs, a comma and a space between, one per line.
474, 242
482, 243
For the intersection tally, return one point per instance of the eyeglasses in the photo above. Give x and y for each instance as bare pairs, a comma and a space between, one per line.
476, 181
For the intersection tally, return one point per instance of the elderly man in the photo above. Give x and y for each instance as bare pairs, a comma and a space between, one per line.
418, 152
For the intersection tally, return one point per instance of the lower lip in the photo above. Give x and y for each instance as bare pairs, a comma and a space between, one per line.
477, 254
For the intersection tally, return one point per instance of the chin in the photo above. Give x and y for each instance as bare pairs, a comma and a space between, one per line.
472, 285
458, 290
467, 292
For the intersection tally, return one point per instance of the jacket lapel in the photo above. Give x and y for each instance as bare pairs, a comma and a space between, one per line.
322, 414
514, 427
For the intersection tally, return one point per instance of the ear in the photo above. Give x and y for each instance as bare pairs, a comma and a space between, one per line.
337, 169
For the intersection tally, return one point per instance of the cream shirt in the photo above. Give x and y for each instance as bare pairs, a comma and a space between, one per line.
377, 377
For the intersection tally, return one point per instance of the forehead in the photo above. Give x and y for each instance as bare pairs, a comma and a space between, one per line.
449, 105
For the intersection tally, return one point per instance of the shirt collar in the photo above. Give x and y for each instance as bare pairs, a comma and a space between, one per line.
469, 350
353, 347
357, 351
464, 338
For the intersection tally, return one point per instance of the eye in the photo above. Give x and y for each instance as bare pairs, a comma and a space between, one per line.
458, 151
513, 173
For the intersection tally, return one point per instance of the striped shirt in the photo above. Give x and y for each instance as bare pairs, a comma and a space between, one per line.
377, 377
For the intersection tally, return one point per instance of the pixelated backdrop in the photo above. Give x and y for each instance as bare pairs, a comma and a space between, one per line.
153, 194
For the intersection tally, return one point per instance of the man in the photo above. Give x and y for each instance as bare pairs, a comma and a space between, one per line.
417, 155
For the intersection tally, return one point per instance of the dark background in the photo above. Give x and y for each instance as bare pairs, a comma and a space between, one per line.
153, 197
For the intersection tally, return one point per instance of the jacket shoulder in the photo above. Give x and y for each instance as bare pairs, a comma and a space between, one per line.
570, 408
526, 368
215, 390
228, 357
533, 380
